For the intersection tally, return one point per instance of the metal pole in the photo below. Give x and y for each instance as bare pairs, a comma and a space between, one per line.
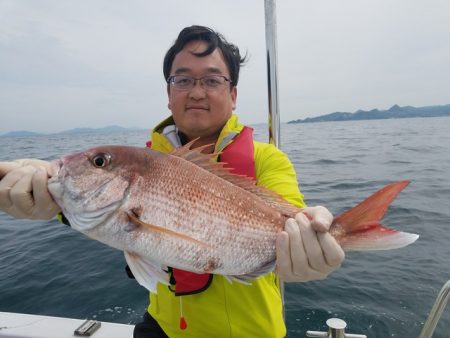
272, 83
272, 80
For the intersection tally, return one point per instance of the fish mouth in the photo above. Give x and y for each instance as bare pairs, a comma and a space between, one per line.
56, 166
54, 184
55, 189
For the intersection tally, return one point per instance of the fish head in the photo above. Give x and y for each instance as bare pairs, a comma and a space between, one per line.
92, 185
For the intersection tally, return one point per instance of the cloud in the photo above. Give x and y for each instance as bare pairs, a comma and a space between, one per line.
71, 64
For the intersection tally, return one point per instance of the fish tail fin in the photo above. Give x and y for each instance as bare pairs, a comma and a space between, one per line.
359, 228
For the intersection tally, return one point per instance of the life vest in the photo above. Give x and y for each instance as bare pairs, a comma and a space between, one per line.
239, 157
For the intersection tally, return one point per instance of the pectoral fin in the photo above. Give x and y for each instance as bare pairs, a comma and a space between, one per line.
150, 227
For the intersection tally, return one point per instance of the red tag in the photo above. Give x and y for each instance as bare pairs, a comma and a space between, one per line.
183, 324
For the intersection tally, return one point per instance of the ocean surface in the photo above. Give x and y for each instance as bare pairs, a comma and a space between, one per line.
47, 268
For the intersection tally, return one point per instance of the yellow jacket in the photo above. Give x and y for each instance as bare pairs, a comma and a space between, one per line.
231, 309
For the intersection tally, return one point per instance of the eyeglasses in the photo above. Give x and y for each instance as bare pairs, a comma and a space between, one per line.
208, 82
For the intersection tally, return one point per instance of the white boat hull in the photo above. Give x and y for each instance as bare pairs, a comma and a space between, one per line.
19, 325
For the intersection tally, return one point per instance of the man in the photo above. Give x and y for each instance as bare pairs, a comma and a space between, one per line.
202, 71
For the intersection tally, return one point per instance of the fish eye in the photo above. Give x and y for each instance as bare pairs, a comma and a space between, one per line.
101, 160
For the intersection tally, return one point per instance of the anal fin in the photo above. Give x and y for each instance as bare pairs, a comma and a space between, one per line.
247, 278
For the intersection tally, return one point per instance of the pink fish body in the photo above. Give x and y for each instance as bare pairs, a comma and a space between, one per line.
186, 211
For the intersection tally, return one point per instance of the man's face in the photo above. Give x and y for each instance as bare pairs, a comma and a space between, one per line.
197, 112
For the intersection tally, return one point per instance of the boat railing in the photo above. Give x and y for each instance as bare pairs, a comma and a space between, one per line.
436, 311
336, 326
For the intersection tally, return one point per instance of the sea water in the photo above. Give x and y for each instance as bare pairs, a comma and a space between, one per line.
47, 268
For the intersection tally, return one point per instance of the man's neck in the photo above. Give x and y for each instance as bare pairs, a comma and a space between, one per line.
200, 141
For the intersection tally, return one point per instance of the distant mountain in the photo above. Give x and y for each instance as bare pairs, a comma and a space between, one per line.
21, 133
395, 112
109, 129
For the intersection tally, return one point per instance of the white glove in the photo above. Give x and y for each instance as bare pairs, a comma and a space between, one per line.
23, 189
305, 250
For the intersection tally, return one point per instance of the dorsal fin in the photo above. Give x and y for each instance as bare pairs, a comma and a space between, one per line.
207, 162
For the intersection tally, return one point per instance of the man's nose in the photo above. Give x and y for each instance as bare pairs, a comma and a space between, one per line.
197, 92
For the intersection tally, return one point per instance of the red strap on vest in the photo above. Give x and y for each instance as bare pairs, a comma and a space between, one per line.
239, 155
189, 283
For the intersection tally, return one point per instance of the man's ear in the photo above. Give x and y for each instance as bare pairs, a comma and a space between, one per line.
168, 96
234, 97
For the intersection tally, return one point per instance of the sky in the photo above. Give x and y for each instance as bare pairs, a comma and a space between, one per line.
67, 64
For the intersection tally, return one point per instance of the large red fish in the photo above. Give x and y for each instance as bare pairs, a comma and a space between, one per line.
187, 211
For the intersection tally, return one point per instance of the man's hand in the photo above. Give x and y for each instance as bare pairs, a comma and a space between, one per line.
305, 250
23, 189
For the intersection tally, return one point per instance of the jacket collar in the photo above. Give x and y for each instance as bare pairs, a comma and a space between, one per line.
164, 136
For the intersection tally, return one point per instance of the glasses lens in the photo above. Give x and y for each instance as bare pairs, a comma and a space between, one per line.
212, 81
182, 82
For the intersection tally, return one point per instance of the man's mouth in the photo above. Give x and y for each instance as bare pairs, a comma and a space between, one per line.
197, 108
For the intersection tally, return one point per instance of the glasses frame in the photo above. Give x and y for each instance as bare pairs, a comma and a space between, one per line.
170, 81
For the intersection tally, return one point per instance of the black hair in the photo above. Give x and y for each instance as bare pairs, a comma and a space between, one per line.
214, 40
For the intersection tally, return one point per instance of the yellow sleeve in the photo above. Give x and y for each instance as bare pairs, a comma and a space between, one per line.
275, 171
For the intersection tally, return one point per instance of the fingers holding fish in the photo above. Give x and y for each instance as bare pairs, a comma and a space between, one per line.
44, 207
12, 193
304, 254
6, 167
284, 262
292, 259
320, 217
24, 194
297, 253
323, 253
333, 252
313, 251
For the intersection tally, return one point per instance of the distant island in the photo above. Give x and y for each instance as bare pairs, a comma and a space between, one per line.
109, 129
395, 112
